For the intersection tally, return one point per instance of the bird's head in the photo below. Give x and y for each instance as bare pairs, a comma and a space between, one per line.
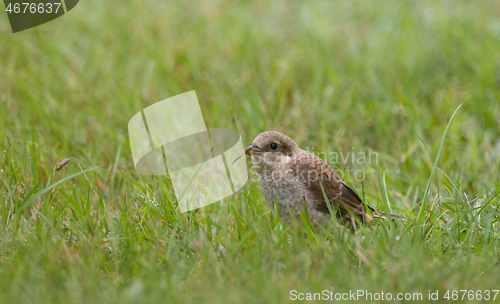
271, 149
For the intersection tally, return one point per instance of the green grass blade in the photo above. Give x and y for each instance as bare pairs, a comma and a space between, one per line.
31, 199
422, 207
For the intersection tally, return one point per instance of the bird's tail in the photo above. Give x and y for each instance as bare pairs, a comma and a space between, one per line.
383, 215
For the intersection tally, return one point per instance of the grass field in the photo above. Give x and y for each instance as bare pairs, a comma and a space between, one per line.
336, 76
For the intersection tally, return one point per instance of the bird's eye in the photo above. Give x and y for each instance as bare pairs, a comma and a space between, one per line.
274, 146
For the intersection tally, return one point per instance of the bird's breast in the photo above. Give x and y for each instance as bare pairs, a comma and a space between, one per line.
280, 186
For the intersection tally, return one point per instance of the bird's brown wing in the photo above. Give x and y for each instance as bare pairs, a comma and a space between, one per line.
315, 172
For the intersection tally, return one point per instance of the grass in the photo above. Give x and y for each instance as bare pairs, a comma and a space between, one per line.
336, 76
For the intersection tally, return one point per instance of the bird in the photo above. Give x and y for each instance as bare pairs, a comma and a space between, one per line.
298, 181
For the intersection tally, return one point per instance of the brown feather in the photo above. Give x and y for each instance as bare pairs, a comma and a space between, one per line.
315, 172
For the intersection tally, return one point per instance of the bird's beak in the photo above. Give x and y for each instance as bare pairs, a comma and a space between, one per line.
253, 149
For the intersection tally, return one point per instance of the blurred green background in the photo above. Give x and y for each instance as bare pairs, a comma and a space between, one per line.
336, 76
